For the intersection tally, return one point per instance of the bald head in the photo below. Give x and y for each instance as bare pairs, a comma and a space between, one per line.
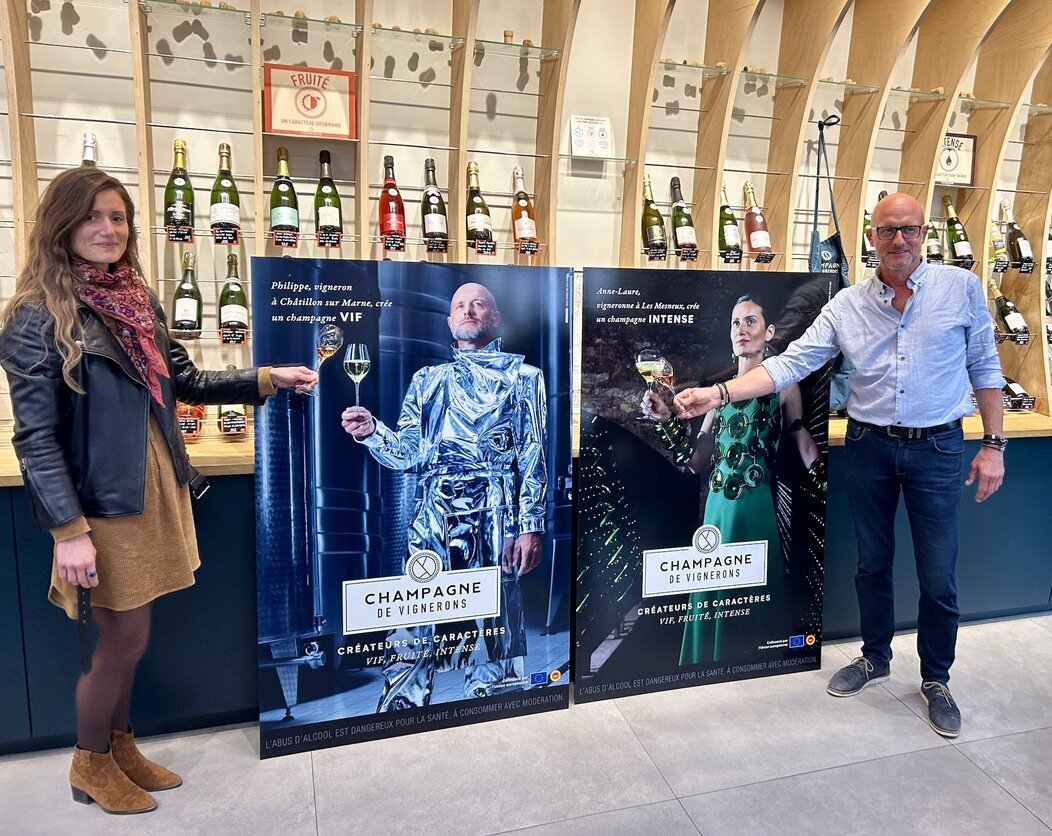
899, 256
473, 316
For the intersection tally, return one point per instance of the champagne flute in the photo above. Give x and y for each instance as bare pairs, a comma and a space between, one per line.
655, 370
330, 339
356, 364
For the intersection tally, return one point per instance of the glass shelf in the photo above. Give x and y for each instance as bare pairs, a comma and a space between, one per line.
95, 119
182, 10
295, 137
493, 152
277, 21
849, 88
199, 129
166, 57
692, 71
502, 50
652, 164
776, 79
970, 104
99, 48
434, 42
1037, 108
577, 158
912, 96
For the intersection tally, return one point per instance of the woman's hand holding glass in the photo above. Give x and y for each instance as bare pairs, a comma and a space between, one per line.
654, 406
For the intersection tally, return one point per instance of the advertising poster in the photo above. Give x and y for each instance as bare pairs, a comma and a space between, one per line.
700, 543
413, 512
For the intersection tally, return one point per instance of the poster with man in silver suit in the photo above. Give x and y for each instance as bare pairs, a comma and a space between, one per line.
435, 504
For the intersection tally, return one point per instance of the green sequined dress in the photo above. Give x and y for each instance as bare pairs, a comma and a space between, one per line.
741, 505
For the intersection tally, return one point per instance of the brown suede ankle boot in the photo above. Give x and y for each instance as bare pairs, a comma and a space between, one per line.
95, 777
145, 773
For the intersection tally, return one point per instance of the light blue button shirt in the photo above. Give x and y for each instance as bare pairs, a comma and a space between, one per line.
913, 369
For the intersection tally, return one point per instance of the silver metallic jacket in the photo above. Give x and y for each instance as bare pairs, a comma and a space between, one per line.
475, 430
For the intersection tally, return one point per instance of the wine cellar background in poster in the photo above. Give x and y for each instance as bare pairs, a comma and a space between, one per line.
388, 597
700, 545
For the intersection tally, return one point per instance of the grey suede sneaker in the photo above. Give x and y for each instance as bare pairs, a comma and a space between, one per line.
860, 674
943, 714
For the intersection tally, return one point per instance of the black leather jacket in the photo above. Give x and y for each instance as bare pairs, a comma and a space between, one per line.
86, 454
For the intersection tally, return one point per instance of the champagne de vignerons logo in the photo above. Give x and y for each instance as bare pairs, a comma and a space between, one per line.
424, 594
706, 564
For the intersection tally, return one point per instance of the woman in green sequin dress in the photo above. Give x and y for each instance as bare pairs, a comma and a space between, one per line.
740, 502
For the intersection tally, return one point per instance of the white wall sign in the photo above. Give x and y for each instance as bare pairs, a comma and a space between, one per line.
957, 161
306, 101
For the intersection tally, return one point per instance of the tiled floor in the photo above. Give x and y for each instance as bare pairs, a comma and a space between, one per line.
761, 757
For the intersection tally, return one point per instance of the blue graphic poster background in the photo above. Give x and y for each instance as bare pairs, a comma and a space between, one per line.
328, 513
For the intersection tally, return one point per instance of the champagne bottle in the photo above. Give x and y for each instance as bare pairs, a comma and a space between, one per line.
867, 248
881, 195
933, 244
997, 244
1019, 250
956, 237
232, 421
1009, 319
284, 205
179, 198
684, 236
433, 211
186, 304
392, 210
1016, 397
654, 241
477, 217
730, 243
88, 156
233, 305
224, 211
757, 235
524, 219
328, 211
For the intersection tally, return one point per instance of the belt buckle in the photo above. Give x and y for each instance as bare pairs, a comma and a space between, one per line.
914, 432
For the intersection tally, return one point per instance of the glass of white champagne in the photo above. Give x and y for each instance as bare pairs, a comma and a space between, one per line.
356, 364
656, 371
330, 339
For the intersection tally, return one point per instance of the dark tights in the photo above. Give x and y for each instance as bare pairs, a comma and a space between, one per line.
104, 694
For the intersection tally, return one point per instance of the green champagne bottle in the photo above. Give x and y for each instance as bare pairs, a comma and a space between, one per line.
1020, 252
730, 243
284, 206
224, 210
328, 211
233, 305
435, 222
477, 217
1009, 319
186, 303
997, 244
179, 198
956, 236
653, 225
933, 244
684, 236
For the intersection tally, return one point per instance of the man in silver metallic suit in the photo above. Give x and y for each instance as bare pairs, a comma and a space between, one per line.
475, 431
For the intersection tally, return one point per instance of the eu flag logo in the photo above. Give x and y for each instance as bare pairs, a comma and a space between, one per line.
539, 678
796, 641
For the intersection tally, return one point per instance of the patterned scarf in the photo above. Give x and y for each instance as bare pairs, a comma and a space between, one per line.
120, 298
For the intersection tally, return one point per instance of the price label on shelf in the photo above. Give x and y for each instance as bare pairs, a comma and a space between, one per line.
393, 242
185, 335
233, 336
485, 247
656, 252
230, 237
285, 238
687, 253
180, 234
330, 240
732, 258
529, 248
872, 262
1021, 339
764, 258
437, 245
1026, 267
1000, 266
1048, 265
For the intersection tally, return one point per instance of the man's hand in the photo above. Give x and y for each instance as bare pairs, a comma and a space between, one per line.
288, 377
693, 402
523, 555
75, 559
989, 466
358, 422
654, 407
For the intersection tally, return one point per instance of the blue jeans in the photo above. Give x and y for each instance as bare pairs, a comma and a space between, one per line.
928, 473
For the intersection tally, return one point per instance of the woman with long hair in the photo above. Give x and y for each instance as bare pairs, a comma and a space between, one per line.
744, 439
94, 379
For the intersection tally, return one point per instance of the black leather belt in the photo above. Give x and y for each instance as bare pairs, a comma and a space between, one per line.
910, 432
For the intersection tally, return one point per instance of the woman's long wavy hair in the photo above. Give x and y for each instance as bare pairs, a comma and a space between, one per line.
47, 278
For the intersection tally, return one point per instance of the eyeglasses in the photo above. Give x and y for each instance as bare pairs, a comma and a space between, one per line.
909, 232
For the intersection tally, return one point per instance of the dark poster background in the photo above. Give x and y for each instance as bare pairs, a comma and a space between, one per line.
327, 512
633, 498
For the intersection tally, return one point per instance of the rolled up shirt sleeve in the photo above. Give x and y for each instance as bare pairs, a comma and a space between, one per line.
981, 359
814, 348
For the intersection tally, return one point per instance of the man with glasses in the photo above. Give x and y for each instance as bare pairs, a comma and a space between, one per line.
917, 334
